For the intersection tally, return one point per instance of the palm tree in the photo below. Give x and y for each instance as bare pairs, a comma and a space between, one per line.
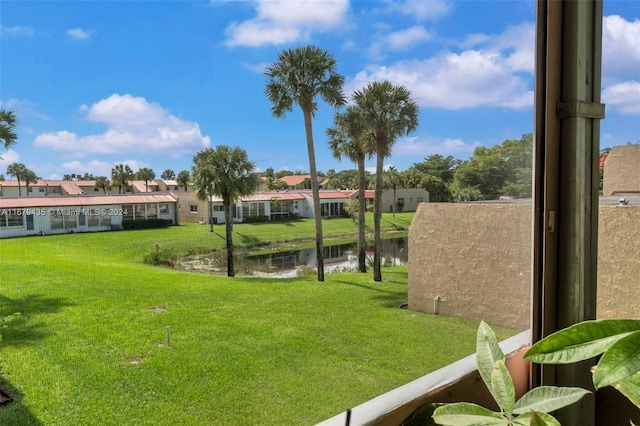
346, 140
18, 171
299, 76
7, 124
146, 174
102, 183
120, 176
29, 177
183, 179
227, 173
393, 179
168, 174
388, 112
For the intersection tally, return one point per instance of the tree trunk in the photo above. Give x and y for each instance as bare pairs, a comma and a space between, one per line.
315, 190
377, 215
394, 201
362, 206
228, 226
211, 214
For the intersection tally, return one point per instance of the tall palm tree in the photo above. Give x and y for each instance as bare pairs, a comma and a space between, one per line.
388, 112
227, 173
18, 171
120, 176
102, 183
300, 76
146, 174
393, 179
183, 179
346, 139
29, 177
7, 124
168, 174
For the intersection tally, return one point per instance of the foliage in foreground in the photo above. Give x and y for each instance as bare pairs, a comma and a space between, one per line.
531, 409
617, 339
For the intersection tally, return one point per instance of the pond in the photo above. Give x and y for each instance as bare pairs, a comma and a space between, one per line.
296, 262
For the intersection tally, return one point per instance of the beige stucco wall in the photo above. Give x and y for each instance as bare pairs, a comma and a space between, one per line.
622, 170
478, 258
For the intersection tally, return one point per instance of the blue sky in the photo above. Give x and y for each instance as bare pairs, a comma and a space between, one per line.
149, 83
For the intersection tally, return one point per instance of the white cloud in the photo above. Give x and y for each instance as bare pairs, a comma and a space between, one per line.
79, 34
497, 74
620, 48
625, 97
17, 31
425, 146
284, 21
421, 9
399, 40
6, 158
133, 125
22, 108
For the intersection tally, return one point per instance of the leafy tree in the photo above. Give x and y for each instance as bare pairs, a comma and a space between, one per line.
388, 112
18, 171
87, 176
500, 170
435, 174
120, 176
227, 173
300, 76
168, 174
7, 124
347, 139
183, 179
1, 177
393, 179
102, 183
146, 175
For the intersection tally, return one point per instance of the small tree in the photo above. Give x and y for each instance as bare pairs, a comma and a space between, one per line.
120, 176
146, 175
102, 183
228, 173
168, 174
183, 179
18, 171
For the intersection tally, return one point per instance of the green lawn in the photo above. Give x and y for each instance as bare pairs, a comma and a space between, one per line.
89, 346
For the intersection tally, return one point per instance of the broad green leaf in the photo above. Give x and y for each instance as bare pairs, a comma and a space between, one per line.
535, 418
630, 387
502, 388
619, 361
548, 398
467, 414
488, 352
580, 341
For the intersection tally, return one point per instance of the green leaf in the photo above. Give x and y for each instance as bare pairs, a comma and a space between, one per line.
619, 361
488, 352
535, 418
630, 387
580, 341
548, 398
502, 388
467, 414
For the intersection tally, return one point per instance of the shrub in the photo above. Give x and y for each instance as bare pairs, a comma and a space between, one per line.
161, 256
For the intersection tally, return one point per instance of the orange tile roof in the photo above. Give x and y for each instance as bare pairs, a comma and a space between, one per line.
602, 158
63, 201
294, 180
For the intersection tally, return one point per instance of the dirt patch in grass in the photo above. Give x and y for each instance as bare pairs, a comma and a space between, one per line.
135, 360
158, 309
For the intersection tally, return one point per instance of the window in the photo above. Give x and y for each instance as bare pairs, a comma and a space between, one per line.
11, 218
218, 208
164, 209
152, 211
193, 208
253, 209
56, 219
419, 200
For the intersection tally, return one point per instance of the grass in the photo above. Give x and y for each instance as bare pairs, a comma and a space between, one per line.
89, 345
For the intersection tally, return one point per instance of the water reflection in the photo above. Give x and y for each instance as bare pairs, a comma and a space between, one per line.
293, 263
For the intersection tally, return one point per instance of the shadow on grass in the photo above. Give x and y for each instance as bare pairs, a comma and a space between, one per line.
18, 328
248, 240
16, 412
